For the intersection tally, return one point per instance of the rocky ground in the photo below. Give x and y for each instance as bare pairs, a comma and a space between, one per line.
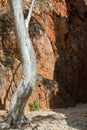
58, 119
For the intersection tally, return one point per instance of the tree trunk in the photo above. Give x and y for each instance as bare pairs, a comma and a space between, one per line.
24, 89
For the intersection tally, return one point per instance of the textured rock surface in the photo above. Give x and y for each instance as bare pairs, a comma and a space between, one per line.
58, 30
46, 93
56, 119
61, 119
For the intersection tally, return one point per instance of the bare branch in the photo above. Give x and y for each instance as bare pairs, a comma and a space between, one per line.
27, 21
10, 86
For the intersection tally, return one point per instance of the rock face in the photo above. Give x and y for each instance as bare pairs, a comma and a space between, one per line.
46, 94
71, 66
58, 30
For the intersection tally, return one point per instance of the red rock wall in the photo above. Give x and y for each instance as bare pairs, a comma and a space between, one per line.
58, 30
71, 66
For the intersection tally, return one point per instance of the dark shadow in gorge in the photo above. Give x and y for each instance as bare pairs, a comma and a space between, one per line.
71, 43
71, 65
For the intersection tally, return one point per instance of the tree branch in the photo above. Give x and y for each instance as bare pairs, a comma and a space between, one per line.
27, 21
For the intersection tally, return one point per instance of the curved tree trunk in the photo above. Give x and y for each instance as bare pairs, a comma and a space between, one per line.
24, 89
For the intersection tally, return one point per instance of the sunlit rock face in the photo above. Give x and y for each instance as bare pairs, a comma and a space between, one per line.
58, 29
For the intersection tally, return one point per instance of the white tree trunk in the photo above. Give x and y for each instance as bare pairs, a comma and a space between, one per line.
24, 89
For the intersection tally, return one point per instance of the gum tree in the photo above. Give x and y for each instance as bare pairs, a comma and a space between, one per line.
29, 75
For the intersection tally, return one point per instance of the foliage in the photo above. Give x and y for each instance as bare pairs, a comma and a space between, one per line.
34, 106
8, 61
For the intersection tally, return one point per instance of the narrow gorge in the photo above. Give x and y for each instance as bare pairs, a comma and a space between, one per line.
58, 29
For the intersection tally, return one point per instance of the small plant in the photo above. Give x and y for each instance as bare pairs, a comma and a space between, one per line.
34, 106
8, 61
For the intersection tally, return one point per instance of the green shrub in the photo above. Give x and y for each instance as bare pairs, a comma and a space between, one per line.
34, 106
8, 61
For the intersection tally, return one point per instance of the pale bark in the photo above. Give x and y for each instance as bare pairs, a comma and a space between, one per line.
27, 21
24, 89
